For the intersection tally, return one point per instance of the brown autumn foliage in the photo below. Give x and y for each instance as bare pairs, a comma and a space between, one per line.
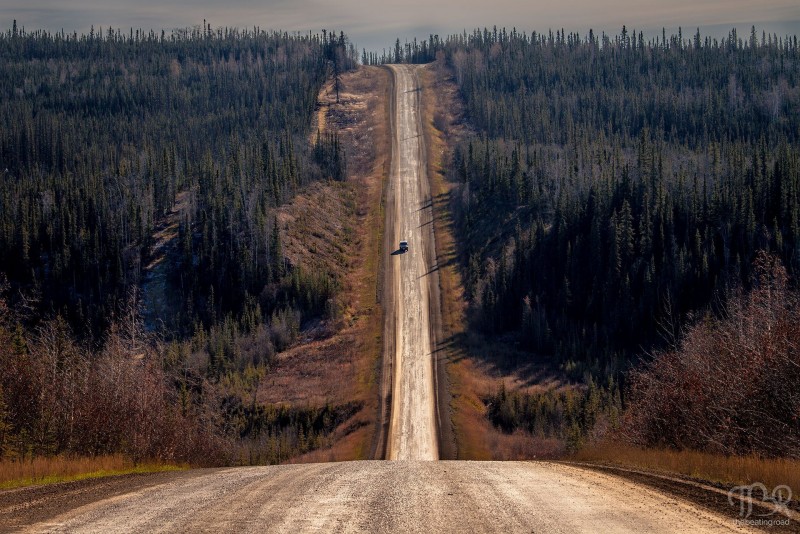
148, 401
731, 385
57, 397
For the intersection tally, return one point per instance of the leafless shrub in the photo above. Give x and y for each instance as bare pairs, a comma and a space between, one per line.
60, 398
731, 385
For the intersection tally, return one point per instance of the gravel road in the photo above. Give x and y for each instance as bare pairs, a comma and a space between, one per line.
412, 278
382, 496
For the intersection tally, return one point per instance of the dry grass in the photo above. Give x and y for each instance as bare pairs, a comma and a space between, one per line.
522, 446
368, 141
726, 470
317, 228
348, 445
304, 374
453, 306
471, 376
475, 437
472, 379
49, 470
339, 228
473, 431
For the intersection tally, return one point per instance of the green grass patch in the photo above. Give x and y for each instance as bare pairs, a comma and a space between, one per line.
55, 478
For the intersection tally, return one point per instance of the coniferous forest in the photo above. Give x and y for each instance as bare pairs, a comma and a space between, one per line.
627, 212
103, 135
140, 177
635, 183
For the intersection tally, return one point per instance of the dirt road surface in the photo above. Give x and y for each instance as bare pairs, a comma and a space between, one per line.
415, 495
411, 280
380, 496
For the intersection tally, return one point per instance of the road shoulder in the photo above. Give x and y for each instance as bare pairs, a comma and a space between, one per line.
708, 495
22, 507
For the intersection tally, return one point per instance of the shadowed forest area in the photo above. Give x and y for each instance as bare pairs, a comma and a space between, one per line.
617, 201
627, 214
145, 289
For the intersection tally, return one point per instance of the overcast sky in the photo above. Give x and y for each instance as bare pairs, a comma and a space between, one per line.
377, 25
